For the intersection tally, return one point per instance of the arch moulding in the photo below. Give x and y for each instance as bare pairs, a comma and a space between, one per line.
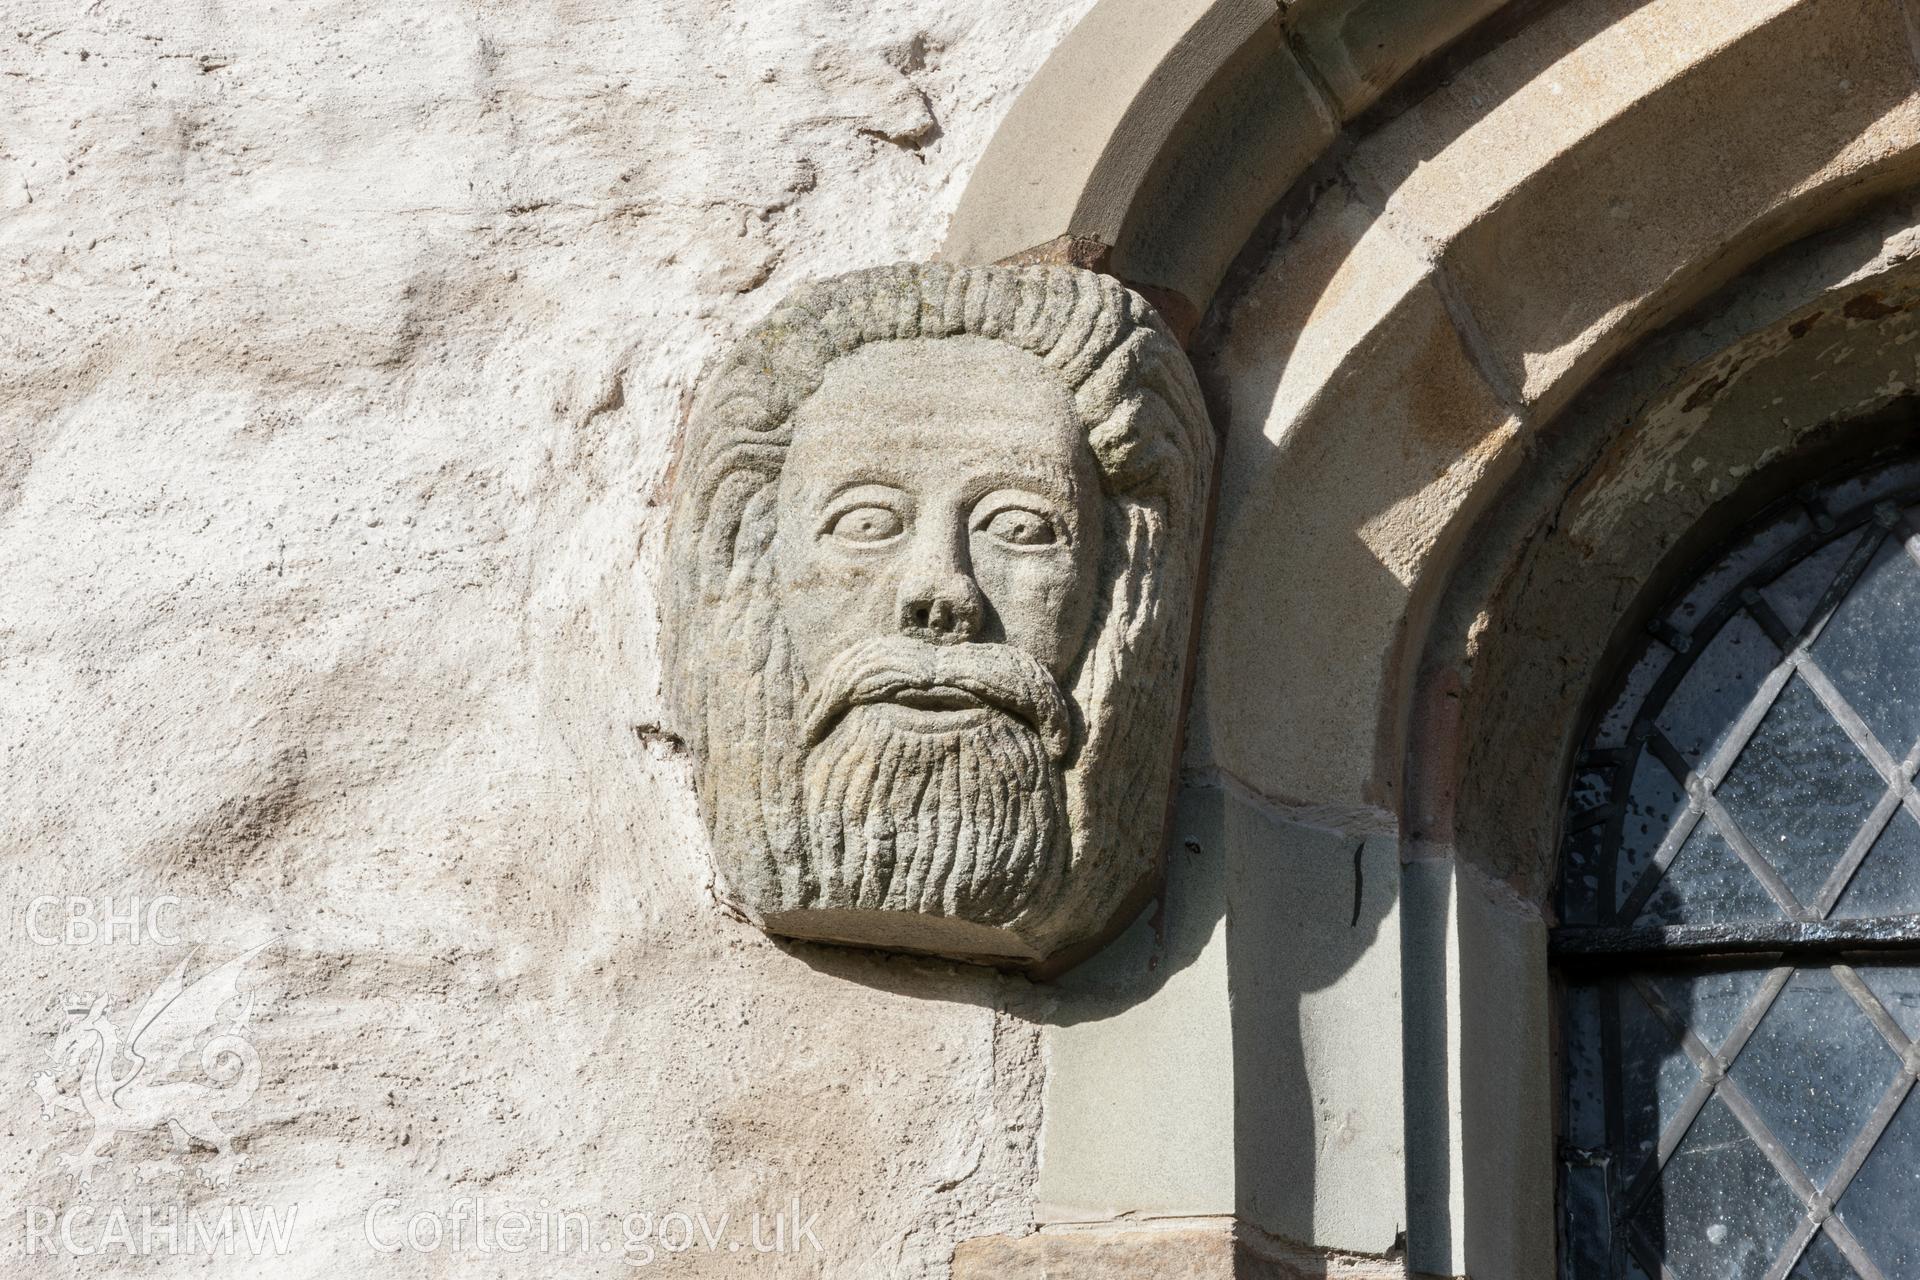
1158, 135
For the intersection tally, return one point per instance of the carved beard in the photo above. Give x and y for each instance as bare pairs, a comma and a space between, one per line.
958, 813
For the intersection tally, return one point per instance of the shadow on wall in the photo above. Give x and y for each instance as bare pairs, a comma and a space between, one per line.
1185, 1075
1168, 936
1188, 1046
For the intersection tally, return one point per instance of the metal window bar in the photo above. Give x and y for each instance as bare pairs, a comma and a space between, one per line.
1700, 785
1806, 932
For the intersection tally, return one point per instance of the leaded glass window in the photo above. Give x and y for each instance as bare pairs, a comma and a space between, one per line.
1739, 916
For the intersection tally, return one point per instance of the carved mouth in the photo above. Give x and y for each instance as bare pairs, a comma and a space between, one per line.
943, 704
936, 705
939, 697
944, 687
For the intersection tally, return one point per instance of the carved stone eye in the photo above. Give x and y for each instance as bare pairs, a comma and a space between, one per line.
1021, 528
865, 524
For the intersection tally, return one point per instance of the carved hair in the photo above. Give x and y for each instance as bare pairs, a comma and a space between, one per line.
729, 665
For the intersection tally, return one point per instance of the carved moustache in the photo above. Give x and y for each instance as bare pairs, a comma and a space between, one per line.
947, 677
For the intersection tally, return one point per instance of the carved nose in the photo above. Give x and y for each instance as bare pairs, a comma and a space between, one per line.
941, 609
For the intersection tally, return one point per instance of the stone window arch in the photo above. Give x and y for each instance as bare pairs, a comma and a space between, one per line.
1501, 310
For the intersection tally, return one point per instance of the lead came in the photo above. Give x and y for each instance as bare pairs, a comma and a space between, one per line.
1737, 941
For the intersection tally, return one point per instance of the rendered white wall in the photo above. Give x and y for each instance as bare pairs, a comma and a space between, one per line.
344, 348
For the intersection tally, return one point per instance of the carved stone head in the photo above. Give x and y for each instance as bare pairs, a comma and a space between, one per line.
934, 543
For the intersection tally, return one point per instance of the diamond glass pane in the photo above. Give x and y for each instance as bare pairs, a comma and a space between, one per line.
1800, 790
1823, 1261
1888, 882
1742, 869
1712, 1000
1867, 648
1814, 1070
1897, 988
1719, 1209
1717, 687
1707, 883
1794, 594
1882, 1204
1655, 804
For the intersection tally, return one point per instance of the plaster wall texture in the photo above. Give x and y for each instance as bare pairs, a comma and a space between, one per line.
344, 349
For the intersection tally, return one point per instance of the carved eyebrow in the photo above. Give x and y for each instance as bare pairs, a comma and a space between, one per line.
847, 486
1011, 496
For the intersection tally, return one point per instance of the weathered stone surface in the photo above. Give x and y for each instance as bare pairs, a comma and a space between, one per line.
1362, 47
1168, 1254
1347, 380
345, 347
1181, 1250
1231, 156
1140, 1097
934, 543
1206, 1061
1313, 945
1609, 125
1479, 1077
1073, 152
